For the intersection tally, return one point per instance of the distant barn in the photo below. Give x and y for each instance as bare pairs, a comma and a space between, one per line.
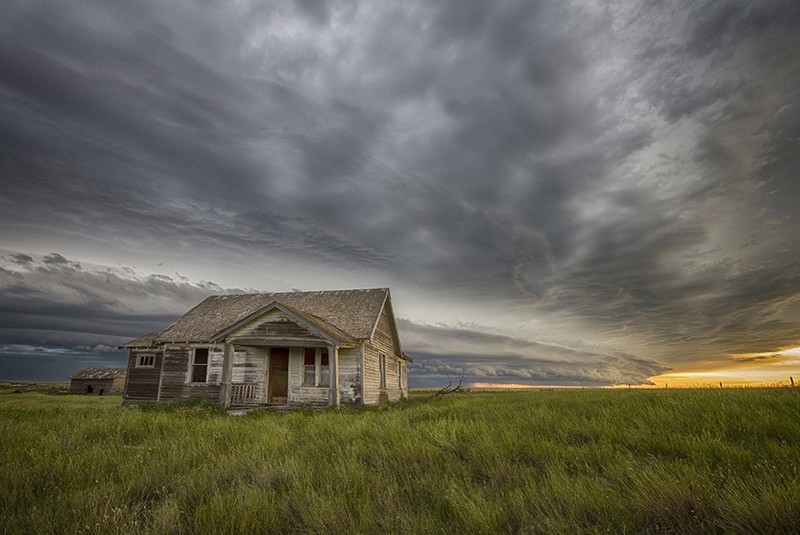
98, 381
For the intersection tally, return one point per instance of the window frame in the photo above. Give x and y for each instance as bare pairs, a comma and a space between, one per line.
319, 367
382, 370
193, 364
306, 367
322, 367
141, 357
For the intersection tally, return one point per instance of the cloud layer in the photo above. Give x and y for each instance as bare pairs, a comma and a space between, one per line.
53, 301
445, 353
615, 175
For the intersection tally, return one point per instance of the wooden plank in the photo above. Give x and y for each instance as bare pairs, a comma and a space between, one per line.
277, 323
227, 374
333, 359
250, 366
175, 373
384, 341
160, 378
363, 373
143, 382
350, 376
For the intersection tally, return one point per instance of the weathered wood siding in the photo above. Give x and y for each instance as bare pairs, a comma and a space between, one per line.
350, 376
250, 366
142, 383
318, 396
175, 373
372, 379
315, 396
175, 381
274, 324
216, 356
107, 386
384, 341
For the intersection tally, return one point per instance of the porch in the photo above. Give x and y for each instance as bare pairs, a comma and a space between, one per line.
255, 375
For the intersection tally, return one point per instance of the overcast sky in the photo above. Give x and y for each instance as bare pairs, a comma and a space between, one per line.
556, 192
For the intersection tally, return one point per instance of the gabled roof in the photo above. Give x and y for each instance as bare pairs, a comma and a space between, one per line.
343, 314
99, 373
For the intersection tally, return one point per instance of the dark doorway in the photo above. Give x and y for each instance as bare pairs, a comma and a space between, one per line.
278, 389
90, 389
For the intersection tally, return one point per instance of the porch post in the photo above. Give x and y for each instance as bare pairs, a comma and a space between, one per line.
227, 374
333, 362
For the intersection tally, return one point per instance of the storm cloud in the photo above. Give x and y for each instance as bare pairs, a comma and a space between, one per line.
445, 353
56, 302
620, 176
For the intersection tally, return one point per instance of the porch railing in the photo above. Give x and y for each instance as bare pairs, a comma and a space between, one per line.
244, 393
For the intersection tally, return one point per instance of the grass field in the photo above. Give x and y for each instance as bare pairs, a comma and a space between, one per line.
568, 461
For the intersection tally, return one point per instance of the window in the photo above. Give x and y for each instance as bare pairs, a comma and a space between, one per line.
316, 367
399, 373
324, 368
200, 365
310, 367
382, 367
145, 361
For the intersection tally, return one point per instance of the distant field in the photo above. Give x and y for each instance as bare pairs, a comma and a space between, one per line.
550, 461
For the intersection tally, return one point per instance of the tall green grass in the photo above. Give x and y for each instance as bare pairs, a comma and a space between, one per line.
676, 461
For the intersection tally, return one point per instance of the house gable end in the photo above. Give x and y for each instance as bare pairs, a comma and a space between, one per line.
386, 326
278, 322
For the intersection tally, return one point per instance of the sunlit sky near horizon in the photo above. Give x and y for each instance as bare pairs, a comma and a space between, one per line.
557, 193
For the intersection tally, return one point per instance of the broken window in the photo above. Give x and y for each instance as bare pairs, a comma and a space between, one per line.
200, 365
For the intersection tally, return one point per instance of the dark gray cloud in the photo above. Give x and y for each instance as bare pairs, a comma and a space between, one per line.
20, 258
622, 173
55, 303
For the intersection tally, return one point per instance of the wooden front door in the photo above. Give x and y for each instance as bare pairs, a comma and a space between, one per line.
278, 389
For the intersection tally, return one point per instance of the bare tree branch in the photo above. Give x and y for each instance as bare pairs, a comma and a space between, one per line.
450, 389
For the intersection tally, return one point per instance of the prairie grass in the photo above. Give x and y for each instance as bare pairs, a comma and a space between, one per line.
554, 461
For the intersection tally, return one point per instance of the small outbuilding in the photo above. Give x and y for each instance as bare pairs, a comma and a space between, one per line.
98, 381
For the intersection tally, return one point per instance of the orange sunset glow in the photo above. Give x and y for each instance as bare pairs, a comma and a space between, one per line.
754, 369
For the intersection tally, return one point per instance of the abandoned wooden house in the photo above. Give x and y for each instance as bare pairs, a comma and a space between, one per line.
319, 349
98, 381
